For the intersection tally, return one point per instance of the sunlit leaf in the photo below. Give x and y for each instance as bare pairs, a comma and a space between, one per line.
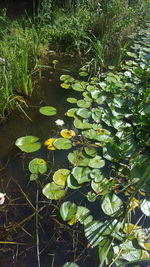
49, 143
130, 251
83, 104
90, 151
60, 177
68, 210
96, 162
28, 143
102, 187
83, 215
81, 174
53, 191
83, 74
112, 205
72, 182
48, 110
67, 133
66, 78
83, 113
77, 158
38, 165
70, 264
72, 100
79, 124
145, 207
62, 143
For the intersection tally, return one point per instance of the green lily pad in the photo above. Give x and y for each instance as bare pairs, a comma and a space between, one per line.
83, 104
81, 174
68, 210
38, 165
77, 158
145, 207
78, 87
112, 205
102, 187
97, 175
79, 124
60, 177
96, 162
28, 143
83, 215
48, 111
71, 112
65, 85
53, 191
84, 113
62, 143
90, 151
33, 177
72, 100
66, 78
72, 182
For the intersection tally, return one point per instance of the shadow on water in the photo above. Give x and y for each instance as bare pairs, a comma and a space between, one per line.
26, 214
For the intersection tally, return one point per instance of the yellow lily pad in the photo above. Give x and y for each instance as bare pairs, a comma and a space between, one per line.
49, 143
67, 133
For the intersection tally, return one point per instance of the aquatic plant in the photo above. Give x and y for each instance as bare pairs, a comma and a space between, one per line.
109, 158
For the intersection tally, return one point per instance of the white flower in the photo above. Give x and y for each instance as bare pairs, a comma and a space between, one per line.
2, 60
128, 74
60, 122
2, 198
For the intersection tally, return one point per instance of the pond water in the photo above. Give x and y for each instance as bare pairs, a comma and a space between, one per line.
19, 221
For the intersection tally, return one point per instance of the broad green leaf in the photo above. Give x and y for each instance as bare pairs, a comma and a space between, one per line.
72, 100
71, 112
89, 134
112, 205
79, 124
97, 175
28, 143
77, 158
66, 78
91, 196
68, 210
96, 162
102, 187
72, 182
65, 85
48, 111
90, 151
83, 215
81, 174
60, 176
145, 207
83, 104
78, 87
33, 177
105, 251
97, 114
53, 191
84, 113
130, 252
62, 143
38, 165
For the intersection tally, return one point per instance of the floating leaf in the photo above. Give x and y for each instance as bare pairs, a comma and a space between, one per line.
66, 78
90, 151
72, 100
77, 158
105, 250
79, 124
102, 187
83, 215
28, 143
68, 210
53, 191
60, 177
112, 205
65, 85
84, 113
72, 182
78, 87
145, 207
38, 165
71, 112
33, 177
49, 143
67, 133
48, 111
130, 252
96, 162
97, 175
81, 174
91, 196
83, 104
62, 143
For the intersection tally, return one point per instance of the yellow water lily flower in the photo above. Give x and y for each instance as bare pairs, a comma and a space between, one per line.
67, 133
49, 143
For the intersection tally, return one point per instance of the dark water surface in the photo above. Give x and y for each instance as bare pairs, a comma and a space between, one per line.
58, 243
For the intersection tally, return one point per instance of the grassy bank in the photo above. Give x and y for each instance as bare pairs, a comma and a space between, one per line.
98, 31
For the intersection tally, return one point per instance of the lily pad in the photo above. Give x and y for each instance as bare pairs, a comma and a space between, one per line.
71, 112
72, 182
68, 210
90, 151
60, 177
83, 74
96, 162
84, 113
28, 143
77, 158
79, 124
48, 111
67, 133
83, 215
145, 207
112, 205
72, 100
78, 87
81, 174
53, 191
83, 104
66, 78
38, 165
62, 143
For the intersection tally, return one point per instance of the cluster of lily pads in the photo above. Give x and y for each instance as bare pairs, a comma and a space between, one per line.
110, 155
